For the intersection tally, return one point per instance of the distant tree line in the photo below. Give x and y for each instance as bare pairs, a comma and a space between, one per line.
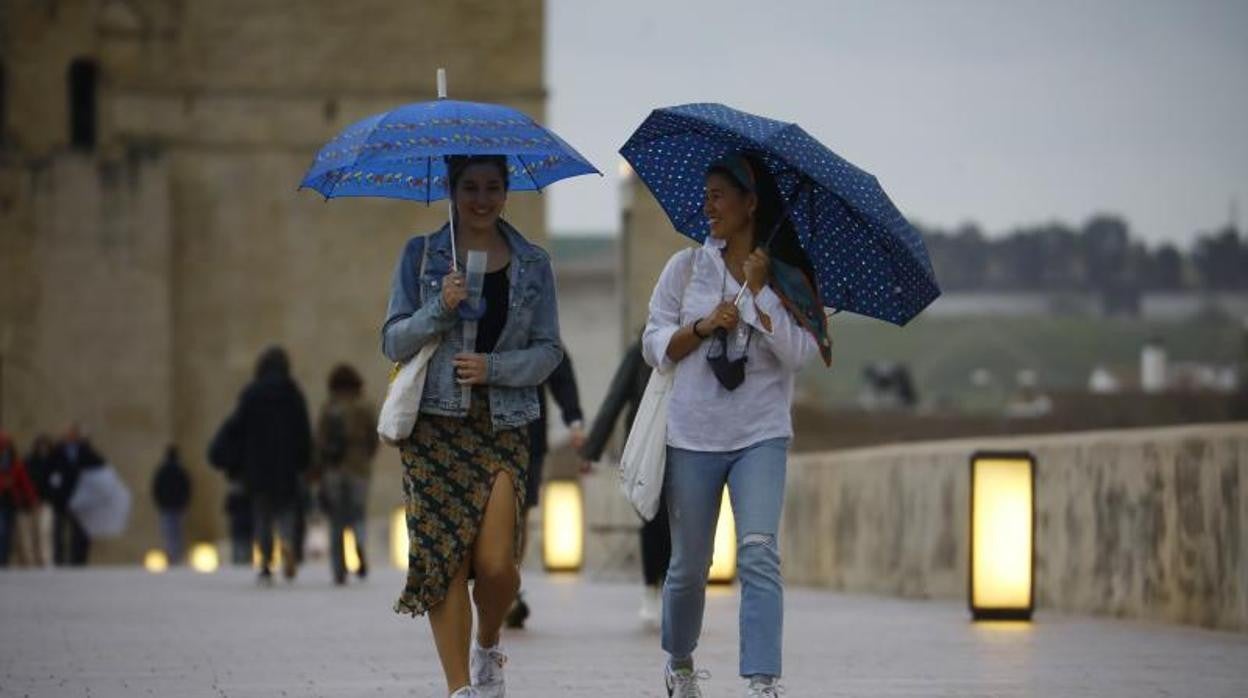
1100, 257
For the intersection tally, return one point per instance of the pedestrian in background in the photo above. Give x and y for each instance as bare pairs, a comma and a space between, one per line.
17, 495
38, 463
346, 441
70, 457
171, 492
267, 440
627, 387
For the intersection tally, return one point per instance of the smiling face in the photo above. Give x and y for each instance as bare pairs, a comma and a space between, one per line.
728, 208
480, 193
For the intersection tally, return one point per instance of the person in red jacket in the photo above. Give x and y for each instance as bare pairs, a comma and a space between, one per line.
17, 493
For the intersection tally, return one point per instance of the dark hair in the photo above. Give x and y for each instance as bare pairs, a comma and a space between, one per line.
783, 245
345, 380
456, 165
273, 363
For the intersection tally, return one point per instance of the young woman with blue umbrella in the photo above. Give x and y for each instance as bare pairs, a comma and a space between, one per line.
466, 460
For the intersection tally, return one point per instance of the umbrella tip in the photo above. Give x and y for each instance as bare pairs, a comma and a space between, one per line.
441, 83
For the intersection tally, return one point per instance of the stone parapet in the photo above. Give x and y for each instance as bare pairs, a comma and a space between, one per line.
1145, 523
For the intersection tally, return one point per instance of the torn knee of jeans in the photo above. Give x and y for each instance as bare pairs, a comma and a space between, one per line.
760, 539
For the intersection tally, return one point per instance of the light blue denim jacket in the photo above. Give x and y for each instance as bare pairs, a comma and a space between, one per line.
528, 349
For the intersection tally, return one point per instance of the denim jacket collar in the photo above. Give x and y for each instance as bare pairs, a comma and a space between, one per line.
521, 249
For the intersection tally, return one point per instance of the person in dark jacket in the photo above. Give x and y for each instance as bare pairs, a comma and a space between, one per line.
17, 495
268, 440
70, 543
561, 385
171, 491
627, 387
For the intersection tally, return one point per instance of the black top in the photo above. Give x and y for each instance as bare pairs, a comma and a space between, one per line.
497, 294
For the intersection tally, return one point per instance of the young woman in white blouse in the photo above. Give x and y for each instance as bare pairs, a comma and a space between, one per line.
728, 419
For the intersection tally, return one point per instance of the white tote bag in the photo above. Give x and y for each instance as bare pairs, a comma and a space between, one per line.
402, 403
644, 461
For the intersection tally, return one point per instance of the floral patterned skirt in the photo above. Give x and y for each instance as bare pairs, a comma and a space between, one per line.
449, 467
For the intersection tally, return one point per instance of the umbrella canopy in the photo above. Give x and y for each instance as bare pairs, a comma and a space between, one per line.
401, 153
101, 502
867, 257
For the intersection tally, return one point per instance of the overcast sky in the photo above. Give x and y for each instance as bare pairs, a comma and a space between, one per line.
1006, 113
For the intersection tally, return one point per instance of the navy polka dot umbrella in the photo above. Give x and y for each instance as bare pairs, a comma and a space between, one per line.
867, 257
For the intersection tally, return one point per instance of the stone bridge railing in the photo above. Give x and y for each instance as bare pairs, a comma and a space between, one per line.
1144, 523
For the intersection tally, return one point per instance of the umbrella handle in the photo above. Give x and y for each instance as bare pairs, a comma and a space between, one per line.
450, 214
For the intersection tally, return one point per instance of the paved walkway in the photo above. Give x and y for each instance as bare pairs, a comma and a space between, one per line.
117, 632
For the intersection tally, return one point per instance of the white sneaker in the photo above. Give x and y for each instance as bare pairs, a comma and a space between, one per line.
763, 687
650, 605
683, 683
486, 668
466, 692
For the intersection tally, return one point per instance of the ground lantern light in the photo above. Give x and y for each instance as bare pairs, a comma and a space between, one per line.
1003, 534
155, 561
563, 526
724, 555
204, 558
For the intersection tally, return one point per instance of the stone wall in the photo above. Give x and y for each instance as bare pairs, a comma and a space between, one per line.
1147, 524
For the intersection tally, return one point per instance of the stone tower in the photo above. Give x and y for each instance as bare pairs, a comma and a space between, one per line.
152, 241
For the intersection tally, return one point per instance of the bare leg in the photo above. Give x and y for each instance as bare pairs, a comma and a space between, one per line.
451, 621
494, 560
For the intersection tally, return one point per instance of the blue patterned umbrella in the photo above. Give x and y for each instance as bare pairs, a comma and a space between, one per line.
868, 259
400, 154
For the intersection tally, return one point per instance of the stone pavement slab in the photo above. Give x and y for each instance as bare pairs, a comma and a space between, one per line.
105, 633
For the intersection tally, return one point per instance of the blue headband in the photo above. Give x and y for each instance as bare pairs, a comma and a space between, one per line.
736, 165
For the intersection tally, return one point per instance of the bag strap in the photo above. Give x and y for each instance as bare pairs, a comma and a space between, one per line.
693, 264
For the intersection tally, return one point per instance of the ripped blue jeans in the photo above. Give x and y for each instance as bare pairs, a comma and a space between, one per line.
693, 485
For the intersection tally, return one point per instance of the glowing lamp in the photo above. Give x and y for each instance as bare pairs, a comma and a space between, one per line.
563, 526
155, 561
1003, 536
724, 556
204, 558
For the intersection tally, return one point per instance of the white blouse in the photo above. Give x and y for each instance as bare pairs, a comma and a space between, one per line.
703, 415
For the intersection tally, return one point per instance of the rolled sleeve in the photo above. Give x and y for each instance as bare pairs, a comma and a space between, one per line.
766, 301
788, 340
